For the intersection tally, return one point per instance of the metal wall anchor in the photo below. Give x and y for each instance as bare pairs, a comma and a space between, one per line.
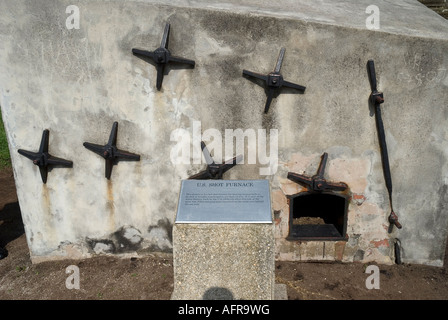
43, 159
214, 171
274, 80
162, 56
110, 152
376, 98
317, 182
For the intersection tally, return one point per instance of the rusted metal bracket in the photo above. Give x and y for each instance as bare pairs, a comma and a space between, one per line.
162, 56
376, 99
317, 182
43, 159
274, 80
110, 152
214, 170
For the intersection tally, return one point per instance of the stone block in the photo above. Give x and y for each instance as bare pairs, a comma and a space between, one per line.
223, 261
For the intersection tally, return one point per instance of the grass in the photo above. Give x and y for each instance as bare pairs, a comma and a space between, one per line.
5, 159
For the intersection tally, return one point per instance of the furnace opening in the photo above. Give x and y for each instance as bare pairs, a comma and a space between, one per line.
318, 216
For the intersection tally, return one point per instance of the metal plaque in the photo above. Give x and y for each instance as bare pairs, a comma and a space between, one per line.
224, 201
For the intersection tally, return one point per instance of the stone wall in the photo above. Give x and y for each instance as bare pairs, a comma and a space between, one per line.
77, 82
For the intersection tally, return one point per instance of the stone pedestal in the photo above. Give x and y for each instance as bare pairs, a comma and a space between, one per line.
218, 256
223, 261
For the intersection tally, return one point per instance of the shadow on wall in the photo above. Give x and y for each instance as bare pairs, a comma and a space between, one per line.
130, 239
11, 225
217, 293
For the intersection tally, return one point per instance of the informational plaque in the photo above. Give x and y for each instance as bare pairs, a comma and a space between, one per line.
224, 201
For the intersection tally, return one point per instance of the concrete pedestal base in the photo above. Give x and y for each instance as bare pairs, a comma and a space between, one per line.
223, 261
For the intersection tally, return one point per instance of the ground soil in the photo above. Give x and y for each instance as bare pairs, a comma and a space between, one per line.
151, 277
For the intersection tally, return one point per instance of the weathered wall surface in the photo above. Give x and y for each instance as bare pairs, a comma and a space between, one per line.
77, 82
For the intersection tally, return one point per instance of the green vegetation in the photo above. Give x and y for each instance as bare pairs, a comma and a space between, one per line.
5, 160
20, 268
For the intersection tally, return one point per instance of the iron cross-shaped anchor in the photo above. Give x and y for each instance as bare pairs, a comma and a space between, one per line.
214, 171
274, 80
162, 56
43, 159
110, 152
317, 182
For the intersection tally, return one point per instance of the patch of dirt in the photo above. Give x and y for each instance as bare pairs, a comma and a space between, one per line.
151, 277
103, 277
347, 281
308, 220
